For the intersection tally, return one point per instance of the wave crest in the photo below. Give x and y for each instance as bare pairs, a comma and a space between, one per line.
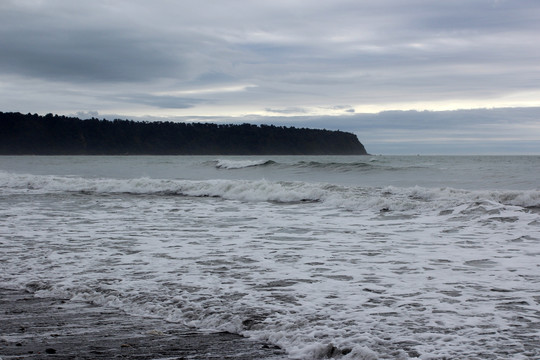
349, 197
242, 190
241, 164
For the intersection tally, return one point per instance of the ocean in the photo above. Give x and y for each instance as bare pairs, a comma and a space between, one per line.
350, 257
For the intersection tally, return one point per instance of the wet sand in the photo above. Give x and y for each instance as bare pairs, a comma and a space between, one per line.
52, 328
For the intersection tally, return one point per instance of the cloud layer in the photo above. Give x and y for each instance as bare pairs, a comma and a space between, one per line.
316, 61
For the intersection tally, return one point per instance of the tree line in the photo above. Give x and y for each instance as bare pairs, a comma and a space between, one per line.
60, 135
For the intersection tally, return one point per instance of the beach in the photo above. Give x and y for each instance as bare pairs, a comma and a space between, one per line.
34, 327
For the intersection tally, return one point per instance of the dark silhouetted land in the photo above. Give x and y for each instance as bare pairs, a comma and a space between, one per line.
22, 134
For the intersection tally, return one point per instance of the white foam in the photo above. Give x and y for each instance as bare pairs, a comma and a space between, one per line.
239, 164
350, 197
357, 273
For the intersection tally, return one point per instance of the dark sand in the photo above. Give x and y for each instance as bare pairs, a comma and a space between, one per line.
52, 328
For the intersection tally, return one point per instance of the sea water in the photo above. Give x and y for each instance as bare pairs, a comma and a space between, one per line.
352, 257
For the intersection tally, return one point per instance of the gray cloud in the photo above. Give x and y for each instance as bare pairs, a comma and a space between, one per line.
44, 46
87, 114
79, 60
166, 102
291, 110
301, 57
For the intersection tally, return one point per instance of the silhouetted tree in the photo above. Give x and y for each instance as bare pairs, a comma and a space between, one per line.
61, 135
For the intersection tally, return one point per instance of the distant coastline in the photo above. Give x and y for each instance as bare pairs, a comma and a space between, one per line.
33, 134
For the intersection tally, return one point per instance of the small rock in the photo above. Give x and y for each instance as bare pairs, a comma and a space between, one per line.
50, 351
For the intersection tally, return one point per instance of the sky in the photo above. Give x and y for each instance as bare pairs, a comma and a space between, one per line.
407, 77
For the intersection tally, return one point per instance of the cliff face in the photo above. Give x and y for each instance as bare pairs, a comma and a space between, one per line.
60, 135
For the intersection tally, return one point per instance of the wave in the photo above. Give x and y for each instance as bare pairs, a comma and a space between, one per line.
231, 164
336, 166
367, 165
240, 164
338, 196
363, 166
243, 190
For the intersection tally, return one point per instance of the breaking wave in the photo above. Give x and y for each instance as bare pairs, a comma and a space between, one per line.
367, 165
228, 164
336, 166
350, 197
241, 164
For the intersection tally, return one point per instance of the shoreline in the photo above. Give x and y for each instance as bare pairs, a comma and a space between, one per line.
34, 328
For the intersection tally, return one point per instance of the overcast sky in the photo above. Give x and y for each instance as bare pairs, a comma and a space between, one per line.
354, 65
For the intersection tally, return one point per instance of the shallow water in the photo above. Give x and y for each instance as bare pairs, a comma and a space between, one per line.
350, 257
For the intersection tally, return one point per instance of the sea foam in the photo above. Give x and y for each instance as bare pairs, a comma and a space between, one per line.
241, 164
321, 269
353, 197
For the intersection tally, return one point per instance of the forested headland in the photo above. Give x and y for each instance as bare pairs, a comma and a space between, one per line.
22, 134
